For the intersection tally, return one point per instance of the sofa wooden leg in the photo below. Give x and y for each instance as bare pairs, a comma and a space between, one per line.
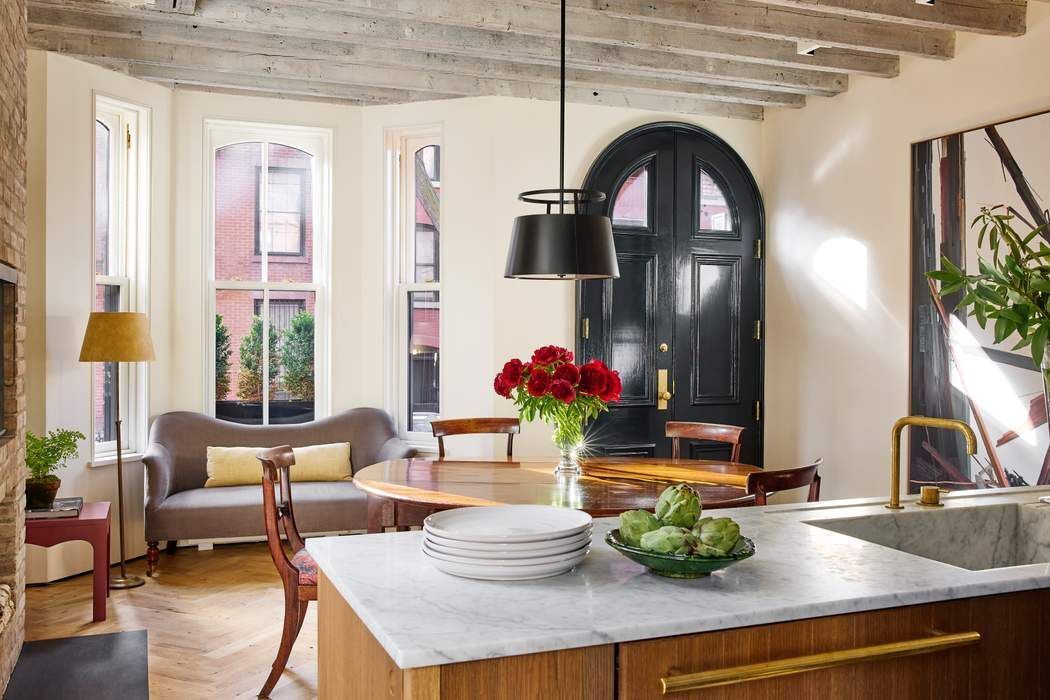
152, 556
171, 546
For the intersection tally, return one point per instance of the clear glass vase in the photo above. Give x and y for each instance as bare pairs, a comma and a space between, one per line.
569, 462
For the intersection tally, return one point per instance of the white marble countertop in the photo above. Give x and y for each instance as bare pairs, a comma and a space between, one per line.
423, 617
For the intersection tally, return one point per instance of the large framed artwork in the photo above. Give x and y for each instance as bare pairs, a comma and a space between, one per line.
957, 368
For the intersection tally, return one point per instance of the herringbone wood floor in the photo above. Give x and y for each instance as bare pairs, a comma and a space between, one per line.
214, 622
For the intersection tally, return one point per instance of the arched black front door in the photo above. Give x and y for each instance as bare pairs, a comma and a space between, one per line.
685, 317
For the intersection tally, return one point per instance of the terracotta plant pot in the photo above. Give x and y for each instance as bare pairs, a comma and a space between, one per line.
40, 493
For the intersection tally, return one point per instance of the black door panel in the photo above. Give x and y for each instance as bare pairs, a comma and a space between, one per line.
686, 220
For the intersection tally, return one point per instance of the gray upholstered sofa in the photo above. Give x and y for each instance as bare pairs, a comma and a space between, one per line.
178, 507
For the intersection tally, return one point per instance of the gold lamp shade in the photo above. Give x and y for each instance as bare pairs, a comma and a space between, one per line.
117, 336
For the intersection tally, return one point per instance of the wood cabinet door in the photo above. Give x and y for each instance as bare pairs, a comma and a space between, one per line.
1008, 662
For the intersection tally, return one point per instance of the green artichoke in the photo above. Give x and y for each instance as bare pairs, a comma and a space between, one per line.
678, 505
634, 524
721, 534
669, 539
703, 550
699, 524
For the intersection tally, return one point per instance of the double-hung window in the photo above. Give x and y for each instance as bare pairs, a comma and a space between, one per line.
268, 232
119, 233
414, 207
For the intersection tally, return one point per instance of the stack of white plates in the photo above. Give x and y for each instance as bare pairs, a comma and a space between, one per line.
507, 543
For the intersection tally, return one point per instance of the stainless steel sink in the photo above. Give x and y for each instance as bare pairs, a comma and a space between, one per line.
978, 537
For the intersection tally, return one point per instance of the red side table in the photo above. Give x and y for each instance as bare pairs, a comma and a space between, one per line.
92, 526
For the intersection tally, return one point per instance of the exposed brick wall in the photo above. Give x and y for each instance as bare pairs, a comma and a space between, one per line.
13, 72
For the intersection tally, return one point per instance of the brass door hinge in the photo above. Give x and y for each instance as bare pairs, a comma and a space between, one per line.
585, 328
758, 411
758, 249
127, 131
756, 331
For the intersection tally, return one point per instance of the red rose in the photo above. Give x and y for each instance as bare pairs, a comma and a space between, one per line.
613, 387
539, 383
545, 355
502, 387
568, 373
564, 355
593, 378
512, 371
563, 391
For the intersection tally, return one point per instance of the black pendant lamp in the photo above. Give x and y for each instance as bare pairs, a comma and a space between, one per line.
562, 246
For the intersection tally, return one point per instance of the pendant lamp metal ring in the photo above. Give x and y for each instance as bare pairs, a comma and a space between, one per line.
564, 196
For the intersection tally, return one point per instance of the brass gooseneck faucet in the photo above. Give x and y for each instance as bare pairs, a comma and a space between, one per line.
895, 454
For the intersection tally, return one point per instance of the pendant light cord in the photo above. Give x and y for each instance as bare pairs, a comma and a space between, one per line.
561, 125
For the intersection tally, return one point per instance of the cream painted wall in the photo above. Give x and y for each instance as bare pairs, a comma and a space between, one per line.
836, 181
61, 132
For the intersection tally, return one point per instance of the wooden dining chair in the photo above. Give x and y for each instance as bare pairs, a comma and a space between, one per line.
714, 432
298, 573
476, 426
765, 483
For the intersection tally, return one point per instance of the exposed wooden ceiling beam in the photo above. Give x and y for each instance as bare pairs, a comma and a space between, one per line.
1006, 17
606, 73
444, 70
184, 7
628, 49
592, 19
184, 60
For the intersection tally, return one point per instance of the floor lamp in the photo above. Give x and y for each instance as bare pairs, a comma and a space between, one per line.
118, 336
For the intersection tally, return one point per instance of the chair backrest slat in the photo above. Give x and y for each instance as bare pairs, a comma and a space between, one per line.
475, 426
764, 483
715, 432
276, 463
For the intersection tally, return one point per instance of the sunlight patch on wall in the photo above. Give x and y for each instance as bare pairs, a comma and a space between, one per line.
842, 264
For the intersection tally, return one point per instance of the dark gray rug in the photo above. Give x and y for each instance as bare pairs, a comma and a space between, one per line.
99, 667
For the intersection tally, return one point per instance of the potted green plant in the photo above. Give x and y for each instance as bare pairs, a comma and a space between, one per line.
1012, 289
44, 456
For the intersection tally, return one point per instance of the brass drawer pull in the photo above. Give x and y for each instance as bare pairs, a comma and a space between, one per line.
813, 662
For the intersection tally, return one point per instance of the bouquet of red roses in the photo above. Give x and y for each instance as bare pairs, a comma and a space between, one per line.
552, 388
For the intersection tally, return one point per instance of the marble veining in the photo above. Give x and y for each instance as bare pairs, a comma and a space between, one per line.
423, 617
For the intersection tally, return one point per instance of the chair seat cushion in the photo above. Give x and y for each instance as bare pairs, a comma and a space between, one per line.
236, 511
307, 568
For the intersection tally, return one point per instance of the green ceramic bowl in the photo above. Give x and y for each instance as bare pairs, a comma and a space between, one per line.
680, 565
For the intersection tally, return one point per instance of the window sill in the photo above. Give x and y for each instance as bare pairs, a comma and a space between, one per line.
108, 459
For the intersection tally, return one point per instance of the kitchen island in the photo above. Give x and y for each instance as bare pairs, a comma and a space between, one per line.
876, 620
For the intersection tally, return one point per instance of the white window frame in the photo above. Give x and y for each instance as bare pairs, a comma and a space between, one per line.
130, 192
399, 213
318, 143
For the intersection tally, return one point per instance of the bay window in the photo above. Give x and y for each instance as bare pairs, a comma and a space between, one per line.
414, 209
267, 260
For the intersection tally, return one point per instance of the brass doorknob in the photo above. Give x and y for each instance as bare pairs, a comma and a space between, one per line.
662, 347
665, 396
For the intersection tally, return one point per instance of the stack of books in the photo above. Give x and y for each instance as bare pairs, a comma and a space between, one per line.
62, 508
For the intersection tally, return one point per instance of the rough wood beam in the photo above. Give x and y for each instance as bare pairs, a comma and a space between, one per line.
261, 68
183, 7
730, 60
603, 17
455, 66
1006, 17
268, 86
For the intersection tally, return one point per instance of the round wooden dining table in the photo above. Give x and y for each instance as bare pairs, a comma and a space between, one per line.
402, 492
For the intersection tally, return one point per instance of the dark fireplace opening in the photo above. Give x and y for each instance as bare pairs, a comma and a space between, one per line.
8, 313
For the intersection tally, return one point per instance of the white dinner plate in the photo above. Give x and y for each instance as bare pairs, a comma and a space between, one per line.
497, 550
505, 573
508, 562
507, 523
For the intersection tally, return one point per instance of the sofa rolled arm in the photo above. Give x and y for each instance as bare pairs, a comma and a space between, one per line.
160, 471
395, 448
